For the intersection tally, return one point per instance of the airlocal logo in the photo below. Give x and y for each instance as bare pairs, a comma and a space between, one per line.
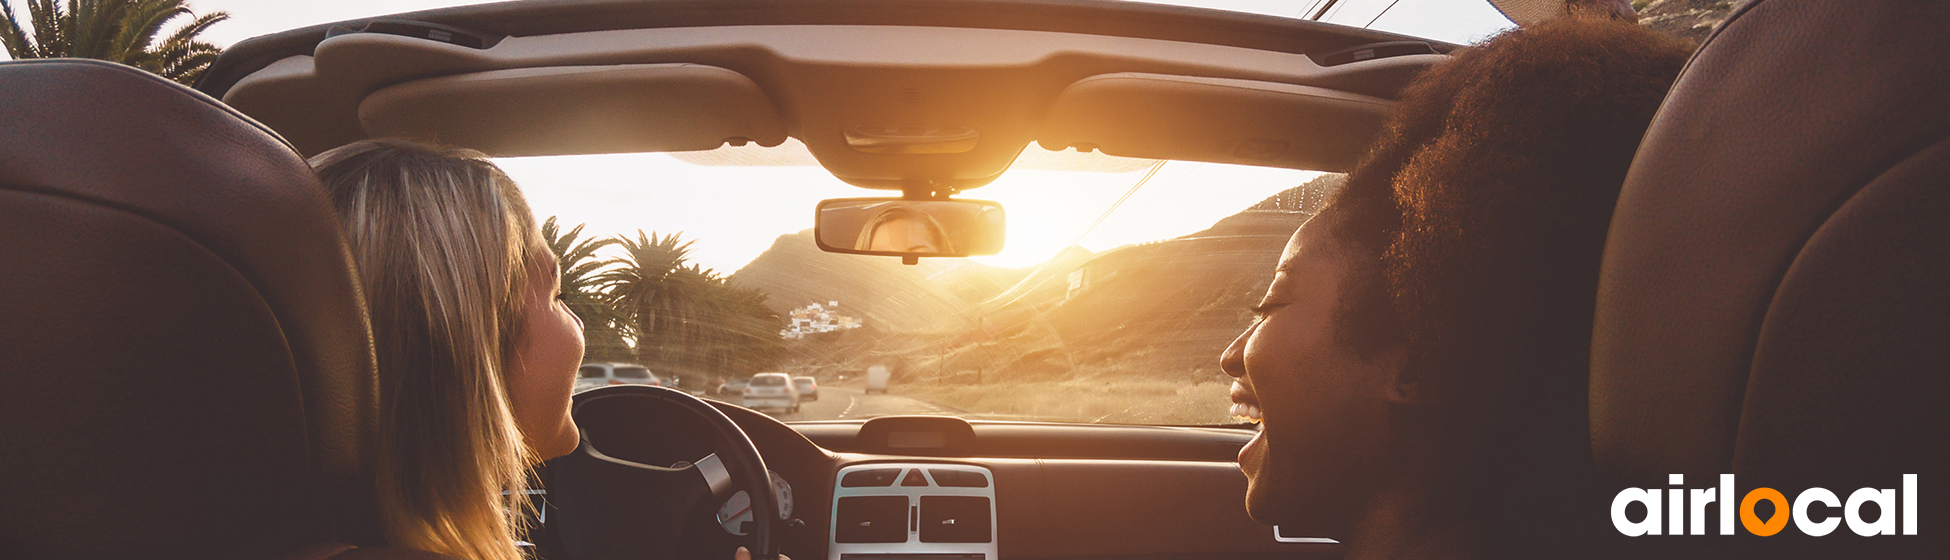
1804, 520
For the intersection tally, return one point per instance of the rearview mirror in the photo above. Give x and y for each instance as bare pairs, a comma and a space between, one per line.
910, 228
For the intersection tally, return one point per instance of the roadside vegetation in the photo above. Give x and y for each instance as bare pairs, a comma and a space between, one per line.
651, 306
124, 31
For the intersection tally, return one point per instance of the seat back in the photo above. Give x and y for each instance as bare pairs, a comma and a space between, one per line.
185, 363
1772, 302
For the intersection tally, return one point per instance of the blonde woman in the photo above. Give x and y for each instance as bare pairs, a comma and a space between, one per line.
477, 353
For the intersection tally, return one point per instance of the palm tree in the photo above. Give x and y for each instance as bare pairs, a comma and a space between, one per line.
688, 318
602, 326
114, 30
647, 286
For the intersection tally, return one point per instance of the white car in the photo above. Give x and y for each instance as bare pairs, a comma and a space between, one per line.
591, 376
808, 388
772, 390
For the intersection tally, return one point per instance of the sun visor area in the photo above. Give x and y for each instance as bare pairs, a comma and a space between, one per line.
1215, 120
579, 110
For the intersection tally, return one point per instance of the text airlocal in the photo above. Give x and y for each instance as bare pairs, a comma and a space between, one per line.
1684, 510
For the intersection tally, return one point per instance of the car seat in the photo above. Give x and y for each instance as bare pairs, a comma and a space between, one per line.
1772, 302
185, 363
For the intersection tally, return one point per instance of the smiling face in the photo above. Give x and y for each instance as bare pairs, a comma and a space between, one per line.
542, 375
1324, 408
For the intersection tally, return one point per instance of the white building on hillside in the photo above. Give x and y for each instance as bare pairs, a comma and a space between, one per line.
816, 318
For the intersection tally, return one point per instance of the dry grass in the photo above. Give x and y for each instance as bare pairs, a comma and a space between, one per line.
1118, 401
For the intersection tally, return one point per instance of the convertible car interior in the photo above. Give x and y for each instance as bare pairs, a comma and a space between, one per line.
1772, 306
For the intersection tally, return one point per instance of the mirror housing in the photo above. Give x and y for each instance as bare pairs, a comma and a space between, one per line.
909, 228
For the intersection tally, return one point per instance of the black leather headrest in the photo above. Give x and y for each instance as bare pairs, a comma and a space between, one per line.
185, 364
1773, 295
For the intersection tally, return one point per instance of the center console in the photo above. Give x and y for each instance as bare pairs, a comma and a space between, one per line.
913, 511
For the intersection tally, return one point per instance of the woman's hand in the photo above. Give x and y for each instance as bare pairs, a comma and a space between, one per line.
743, 554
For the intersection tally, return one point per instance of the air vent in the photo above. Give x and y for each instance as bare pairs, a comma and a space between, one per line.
954, 519
914, 511
870, 519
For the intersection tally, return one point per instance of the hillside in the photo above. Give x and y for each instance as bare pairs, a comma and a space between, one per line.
1686, 19
1161, 310
934, 296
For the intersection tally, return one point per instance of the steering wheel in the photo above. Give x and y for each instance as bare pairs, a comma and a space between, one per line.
615, 505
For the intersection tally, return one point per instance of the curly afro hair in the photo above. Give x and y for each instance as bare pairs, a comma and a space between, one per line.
1476, 225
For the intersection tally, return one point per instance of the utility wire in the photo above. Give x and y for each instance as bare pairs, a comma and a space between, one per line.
1377, 17
1338, 8
1323, 10
1309, 9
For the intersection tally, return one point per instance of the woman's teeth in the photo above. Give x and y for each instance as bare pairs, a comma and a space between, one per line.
1246, 412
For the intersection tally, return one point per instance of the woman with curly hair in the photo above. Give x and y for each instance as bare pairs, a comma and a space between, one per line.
1420, 358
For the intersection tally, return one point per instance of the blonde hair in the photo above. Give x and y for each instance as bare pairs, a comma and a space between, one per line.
444, 243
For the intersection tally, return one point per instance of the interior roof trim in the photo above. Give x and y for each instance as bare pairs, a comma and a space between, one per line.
552, 17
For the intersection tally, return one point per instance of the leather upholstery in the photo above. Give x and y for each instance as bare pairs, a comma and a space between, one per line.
1773, 300
185, 364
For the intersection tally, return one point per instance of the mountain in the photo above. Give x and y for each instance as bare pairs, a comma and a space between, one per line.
1161, 308
935, 295
1686, 19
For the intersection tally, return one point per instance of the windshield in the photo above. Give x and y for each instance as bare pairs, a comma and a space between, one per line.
1120, 282
632, 373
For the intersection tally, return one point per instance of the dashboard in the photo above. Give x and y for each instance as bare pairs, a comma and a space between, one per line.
942, 488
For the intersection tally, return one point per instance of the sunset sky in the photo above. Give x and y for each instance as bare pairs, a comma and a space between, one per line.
734, 213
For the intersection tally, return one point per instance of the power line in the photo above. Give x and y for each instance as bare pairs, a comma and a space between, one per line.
1338, 8
1309, 9
1377, 17
1323, 9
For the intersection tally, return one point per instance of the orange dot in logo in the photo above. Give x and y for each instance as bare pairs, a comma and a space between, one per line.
1774, 523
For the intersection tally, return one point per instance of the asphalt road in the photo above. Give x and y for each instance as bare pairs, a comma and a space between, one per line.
846, 403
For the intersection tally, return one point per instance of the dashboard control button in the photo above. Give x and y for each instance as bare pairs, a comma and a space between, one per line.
958, 478
870, 478
914, 478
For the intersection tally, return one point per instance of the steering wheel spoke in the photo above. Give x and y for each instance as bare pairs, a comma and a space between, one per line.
606, 507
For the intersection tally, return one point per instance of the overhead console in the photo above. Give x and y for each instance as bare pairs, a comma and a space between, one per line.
913, 511
1218, 120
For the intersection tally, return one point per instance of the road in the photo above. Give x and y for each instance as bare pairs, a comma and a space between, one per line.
847, 403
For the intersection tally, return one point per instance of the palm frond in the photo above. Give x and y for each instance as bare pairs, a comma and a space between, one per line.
124, 31
13, 36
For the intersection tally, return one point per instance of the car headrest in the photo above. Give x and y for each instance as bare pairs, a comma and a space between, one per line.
185, 362
1772, 301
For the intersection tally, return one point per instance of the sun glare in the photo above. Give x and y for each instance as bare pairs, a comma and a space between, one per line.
735, 213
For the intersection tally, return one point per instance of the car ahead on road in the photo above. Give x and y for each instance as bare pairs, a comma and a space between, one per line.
807, 386
594, 375
771, 390
734, 387
1771, 304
